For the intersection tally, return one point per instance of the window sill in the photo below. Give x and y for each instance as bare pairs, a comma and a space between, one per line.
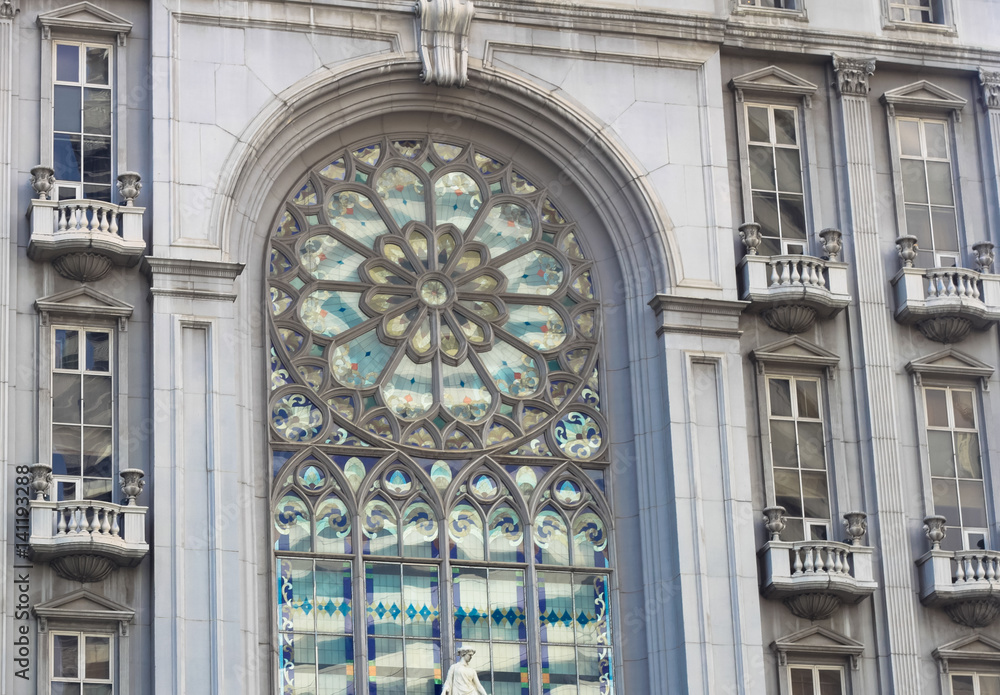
749, 13
920, 27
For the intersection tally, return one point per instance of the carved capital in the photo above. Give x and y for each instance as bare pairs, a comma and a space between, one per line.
7, 10
444, 41
990, 83
853, 74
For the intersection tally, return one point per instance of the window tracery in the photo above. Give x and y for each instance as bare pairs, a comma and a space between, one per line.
439, 447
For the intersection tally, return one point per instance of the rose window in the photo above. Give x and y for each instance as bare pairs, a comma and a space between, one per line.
431, 295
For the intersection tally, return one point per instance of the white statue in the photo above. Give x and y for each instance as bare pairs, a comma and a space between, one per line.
462, 678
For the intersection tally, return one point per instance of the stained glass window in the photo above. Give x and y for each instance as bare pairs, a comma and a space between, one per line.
439, 437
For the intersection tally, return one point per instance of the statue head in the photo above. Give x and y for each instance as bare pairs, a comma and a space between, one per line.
466, 654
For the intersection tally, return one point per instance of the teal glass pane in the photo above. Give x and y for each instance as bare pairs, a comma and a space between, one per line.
298, 664
506, 535
555, 607
463, 393
421, 601
333, 526
507, 226
333, 597
594, 669
329, 312
507, 616
291, 522
591, 600
402, 192
510, 669
407, 391
465, 533
590, 541
539, 326
360, 362
334, 665
551, 539
355, 215
535, 273
514, 372
327, 258
385, 667
471, 598
578, 435
456, 200
383, 589
420, 531
312, 478
559, 675
378, 527
423, 667
296, 601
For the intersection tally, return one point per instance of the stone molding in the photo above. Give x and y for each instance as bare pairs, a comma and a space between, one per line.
444, 41
989, 81
83, 606
853, 74
83, 303
950, 364
771, 81
924, 96
85, 17
796, 353
976, 648
815, 641
698, 315
186, 278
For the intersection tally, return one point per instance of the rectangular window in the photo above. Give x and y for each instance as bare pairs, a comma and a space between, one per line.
975, 684
82, 414
776, 4
918, 11
816, 680
775, 161
956, 466
798, 456
928, 190
81, 120
82, 664
575, 632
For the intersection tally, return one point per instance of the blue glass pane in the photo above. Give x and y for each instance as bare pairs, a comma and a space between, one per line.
291, 521
403, 194
333, 597
421, 601
591, 600
385, 667
514, 372
533, 273
329, 312
472, 606
590, 541
456, 200
551, 540
510, 669
465, 533
507, 226
67, 63
335, 665
296, 601
360, 362
420, 531
66, 157
559, 664
327, 258
333, 526
378, 526
407, 391
463, 392
355, 215
539, 326
555, 607
423, 667
506, 535
384, 600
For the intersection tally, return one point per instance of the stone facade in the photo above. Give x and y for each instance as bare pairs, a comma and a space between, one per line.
634, 117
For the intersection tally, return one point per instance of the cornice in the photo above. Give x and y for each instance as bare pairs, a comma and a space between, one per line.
186, 266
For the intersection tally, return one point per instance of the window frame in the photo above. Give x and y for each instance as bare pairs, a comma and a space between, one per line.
797, 13
976, 674
81, 635
815, 669
942, 8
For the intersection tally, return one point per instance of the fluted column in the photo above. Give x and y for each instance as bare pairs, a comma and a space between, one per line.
899, 618
990, 83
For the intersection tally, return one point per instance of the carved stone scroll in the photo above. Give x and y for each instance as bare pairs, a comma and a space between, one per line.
853, 74
444, 41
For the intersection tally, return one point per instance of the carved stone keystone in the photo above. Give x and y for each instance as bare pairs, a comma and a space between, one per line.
444, 41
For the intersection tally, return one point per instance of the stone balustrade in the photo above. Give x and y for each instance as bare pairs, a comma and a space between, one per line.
85, 540
965, 583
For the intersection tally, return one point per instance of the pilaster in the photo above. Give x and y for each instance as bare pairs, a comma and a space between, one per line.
989, 82
899, 618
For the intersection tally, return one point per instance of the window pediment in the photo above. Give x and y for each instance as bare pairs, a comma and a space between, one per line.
816, 641
794, 352
924, 96
950, 363
86, 17
771, 81
83, 303
974, 648
83, 606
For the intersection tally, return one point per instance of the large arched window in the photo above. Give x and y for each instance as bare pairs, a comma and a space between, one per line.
438, 439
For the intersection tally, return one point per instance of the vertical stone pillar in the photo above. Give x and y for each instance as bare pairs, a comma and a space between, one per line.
898, 621
990, 83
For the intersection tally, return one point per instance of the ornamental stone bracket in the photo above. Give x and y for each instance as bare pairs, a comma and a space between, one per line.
444, 41
83, 238
964, 583
853, 74
946, 304
792, 291
990, 82
813, 578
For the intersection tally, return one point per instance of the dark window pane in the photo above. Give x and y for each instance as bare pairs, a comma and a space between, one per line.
945, 229
793, 530
67, 63
97, 489
98, 62
65, 656
97, 447
815, 495
936, 137
783, 444
808, 398
789, 170
818, 532
962, 685
65, 689
92, 192
939, 183
66, 108
761, 168
811, 445
897, 14
829, 682
914, 181
781, 397
97, 160
770, 246
918, 223
65, 398
909, 138
97, 111
765, 213
98, 658
802, 681
937, 407
67, 349
66, 157
989, 685
964, 410
65, 490
793, 217
757, 124
946, 500
967, 455
784, 127
977, 541
65, 450
97, 689
973, 499
97, 400
786, 491
940, 452
66, 192
98, 345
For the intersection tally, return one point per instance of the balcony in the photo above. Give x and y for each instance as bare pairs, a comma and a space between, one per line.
85, 239
85, 540
814, 578
792, 291
946, 303
965, 583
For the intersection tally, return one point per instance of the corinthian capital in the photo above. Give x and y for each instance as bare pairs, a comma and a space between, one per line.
853, 74
990, 82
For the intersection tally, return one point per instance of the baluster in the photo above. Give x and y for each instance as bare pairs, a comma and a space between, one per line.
105, 225
974, 284
775, 280
105, 526
970, 574
847, 562
838, 566
959, 570
114, 223
785, 272
951, 291
61, 525
931, 286
95, 521
796, 276
114, 523
810, 565
816, 274
77, 212
95, 224
991, 572
807, 273
798, 561
75, 522
980, 568
62, 221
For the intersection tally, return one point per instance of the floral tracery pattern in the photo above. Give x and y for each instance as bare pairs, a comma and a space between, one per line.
431, 295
